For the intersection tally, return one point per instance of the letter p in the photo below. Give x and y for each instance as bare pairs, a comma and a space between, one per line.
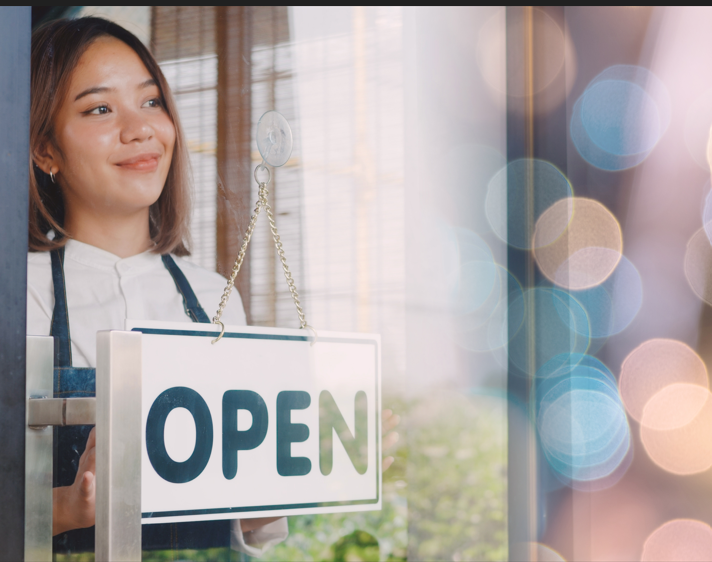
235, 440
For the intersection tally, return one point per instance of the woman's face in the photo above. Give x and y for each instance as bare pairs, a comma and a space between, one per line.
113, 135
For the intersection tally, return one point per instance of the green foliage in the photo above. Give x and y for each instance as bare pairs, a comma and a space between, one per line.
76, 557
330, 536
194, 555
457, 478
359, 545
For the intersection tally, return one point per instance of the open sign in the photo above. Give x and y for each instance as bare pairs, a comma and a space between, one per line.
261, 422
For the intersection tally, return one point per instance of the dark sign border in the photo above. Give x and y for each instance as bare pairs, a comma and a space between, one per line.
157, 515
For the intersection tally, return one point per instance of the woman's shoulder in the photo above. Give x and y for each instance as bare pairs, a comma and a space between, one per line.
40, 297
38, 259
39, 269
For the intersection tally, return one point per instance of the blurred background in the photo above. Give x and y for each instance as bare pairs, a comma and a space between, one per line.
518, 200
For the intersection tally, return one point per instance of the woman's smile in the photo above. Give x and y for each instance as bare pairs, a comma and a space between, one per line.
146, 162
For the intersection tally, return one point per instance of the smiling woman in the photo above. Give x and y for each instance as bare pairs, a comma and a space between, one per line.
107, 132
109, 209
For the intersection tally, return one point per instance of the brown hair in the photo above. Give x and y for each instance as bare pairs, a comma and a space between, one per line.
56, 50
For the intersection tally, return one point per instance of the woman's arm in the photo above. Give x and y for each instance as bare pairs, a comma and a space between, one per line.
73, 506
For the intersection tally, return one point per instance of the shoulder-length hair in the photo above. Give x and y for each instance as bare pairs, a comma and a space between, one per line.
56, 50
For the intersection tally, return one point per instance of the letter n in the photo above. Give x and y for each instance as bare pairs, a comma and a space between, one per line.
331, 420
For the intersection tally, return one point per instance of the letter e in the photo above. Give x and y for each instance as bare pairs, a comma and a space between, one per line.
288, 433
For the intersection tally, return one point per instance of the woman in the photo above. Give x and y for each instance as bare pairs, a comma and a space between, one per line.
109, 210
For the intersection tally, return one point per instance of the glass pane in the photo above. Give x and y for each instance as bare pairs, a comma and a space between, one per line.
518, 201
399, 129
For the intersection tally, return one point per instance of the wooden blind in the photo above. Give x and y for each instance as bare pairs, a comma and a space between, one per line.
184, 42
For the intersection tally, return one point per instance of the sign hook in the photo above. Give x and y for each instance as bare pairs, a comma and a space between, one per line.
274, 140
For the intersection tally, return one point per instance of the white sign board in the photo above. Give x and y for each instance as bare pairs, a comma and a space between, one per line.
261, 423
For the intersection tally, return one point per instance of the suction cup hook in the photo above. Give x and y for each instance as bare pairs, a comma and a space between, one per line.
274, 139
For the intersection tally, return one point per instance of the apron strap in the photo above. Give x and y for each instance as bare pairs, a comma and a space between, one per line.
190, 301
60, 315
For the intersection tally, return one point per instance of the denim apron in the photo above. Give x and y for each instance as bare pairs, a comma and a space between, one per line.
70, 442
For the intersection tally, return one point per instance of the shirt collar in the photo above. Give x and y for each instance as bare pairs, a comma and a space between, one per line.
96, 258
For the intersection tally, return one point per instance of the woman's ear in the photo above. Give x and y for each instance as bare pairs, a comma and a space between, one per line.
45, 157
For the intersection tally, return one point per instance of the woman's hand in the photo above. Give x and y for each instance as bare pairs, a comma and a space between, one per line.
255, 523
389, 421
73, 506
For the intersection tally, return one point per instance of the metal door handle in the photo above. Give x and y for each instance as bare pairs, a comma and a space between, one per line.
42, 412
118, 445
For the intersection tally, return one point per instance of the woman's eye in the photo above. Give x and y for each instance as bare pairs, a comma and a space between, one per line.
101, 110
155, 102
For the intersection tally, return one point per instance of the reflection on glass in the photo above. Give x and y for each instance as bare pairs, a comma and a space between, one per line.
679, 539
577, 243
620, 117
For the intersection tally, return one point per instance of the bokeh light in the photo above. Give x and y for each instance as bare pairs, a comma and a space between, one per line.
683, 445
581, 421
586, 251
488, 327
481, 315
698, 122
562, 365
480, 291
679, 539
560, 323
613, 305
620, 117
603, 482
556, 371
510, 204
491, 50
655, 365
707, 210
462, 274
674, 406
698, 265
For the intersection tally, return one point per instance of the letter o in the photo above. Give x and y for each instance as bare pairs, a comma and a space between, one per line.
163, 464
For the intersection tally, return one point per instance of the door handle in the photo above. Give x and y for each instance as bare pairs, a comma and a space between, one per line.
42, 412
118, 445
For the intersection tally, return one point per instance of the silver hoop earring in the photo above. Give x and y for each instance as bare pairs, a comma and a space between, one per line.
51, 176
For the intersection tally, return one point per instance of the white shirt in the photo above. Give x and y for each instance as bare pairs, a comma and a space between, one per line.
103, 291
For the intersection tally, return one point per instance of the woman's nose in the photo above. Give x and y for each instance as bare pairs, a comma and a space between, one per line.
135, 127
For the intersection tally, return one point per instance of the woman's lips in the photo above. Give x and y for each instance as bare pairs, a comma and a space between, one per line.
141, 163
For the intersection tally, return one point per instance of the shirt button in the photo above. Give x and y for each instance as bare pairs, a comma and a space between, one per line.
122, 267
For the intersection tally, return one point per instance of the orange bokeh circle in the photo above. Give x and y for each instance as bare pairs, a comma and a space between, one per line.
652, 366
676, 428
679, 539
577, 243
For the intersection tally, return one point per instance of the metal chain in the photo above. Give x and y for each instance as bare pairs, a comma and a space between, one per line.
280, 252
262, 203
238, 262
